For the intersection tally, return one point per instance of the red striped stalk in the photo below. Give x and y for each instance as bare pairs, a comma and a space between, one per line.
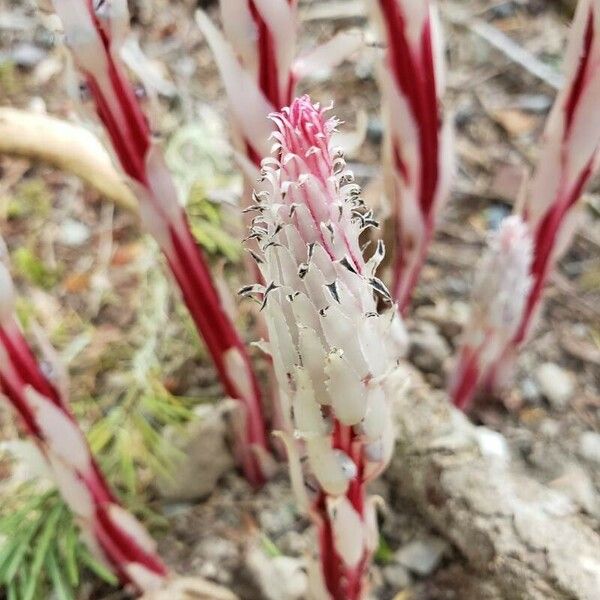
110, 531
419, 162
333, 353
95, 35
256, 56
569, 158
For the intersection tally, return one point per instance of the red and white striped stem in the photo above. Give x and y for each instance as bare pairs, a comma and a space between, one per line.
569, 158
419, 162
256, 56
95, 35
113, 534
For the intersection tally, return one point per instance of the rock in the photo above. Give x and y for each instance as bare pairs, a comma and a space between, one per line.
206, 454
422, 556
428, 349
397, 577
556, 384
279, 577
589, 446
530, 390
577, 485
74, 233
276, 519
292, 542
190, 588
492, 444
550, 428
450, 317
218, 549
27, 55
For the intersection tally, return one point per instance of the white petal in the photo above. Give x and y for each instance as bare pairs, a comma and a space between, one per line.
342, 333
313, 359
72, 489
378, 413
329, 467
346, 390
131, 527
143, 578
305, 312
308, 418
348, 530
60, 432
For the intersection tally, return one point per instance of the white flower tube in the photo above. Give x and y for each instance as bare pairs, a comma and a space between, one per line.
333, 352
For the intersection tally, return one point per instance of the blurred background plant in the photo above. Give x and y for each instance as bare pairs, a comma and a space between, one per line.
121, 398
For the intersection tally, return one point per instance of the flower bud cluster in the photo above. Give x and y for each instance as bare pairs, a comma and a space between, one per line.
500, 291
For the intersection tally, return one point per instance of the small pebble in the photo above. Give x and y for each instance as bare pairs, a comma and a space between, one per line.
530, 390
428, 349
492, 444
74, 233
589, 446
397, 576
422, 556
27, 55
556, 384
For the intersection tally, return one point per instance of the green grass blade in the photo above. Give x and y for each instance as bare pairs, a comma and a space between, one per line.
24, 546
59, 584
70, 556
96, 567
49, 532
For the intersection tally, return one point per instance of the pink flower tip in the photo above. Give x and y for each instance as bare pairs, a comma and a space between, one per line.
303, 130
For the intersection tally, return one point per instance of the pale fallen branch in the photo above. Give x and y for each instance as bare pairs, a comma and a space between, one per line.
521, 538
68, 147
190, 588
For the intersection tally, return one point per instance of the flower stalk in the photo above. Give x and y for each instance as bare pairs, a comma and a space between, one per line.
419, 160
569, 159
333, 353
500, 291
95, 32
113, 534
256, 57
